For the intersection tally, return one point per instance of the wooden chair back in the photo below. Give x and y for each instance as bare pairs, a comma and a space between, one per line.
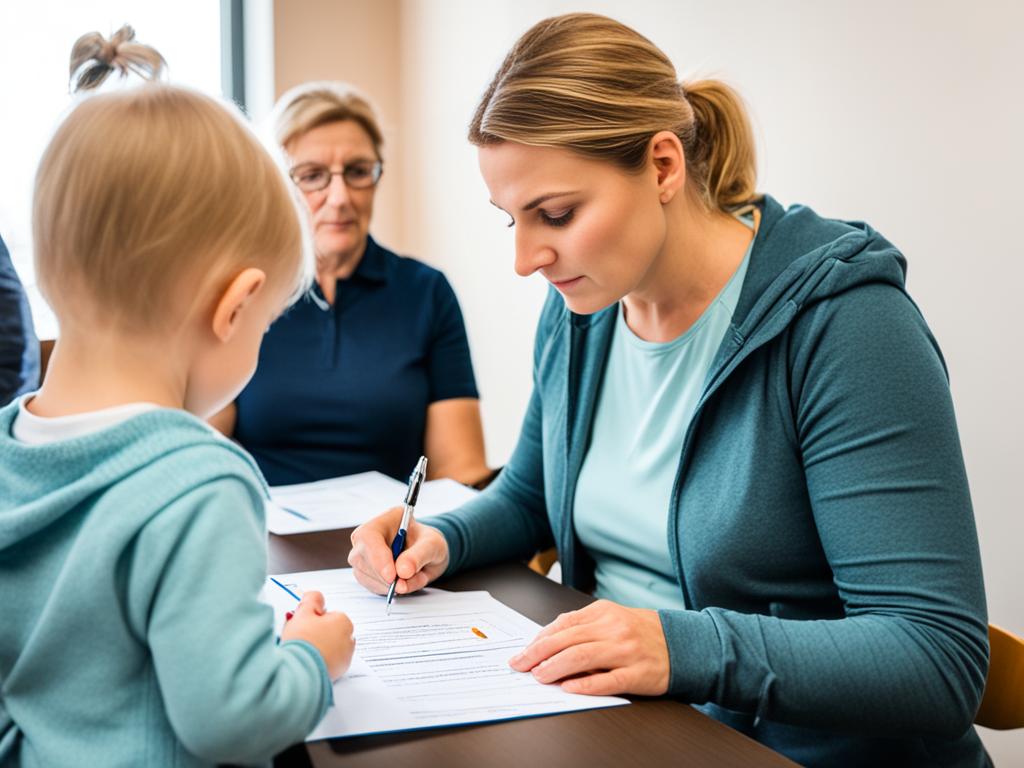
1002, 705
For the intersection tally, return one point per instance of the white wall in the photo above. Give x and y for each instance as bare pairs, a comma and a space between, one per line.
37, 41
908, 115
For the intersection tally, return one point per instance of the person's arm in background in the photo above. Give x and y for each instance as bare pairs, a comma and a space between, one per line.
453, 438
224, 420
19, 347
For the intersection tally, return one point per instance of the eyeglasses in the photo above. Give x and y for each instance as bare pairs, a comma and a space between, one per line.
314, 177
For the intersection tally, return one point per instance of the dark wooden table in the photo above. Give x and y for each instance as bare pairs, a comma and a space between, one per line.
649, 732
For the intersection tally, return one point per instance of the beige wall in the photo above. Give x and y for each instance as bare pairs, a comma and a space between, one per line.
355, 41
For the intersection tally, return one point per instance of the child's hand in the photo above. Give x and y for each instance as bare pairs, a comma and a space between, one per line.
330, 633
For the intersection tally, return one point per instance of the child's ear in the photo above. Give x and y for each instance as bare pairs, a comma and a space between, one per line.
234, 301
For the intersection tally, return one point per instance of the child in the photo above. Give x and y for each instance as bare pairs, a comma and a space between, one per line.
132, 540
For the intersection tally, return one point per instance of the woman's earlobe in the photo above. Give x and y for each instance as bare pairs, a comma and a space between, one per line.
670, 187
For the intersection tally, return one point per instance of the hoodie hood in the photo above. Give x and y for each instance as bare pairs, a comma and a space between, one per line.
800, 258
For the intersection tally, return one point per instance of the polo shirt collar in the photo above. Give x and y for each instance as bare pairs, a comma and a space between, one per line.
373, 267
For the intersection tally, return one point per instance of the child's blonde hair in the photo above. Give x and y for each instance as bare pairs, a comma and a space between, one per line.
150, 199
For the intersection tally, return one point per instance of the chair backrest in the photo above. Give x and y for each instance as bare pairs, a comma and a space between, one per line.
45, 350
1002, 706
542, 561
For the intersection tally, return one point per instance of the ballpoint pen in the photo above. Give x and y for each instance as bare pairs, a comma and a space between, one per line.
288, 589
416, 479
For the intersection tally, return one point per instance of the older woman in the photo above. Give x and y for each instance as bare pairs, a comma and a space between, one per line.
372, 367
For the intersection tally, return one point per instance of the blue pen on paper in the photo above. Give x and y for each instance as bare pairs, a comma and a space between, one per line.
289, 614
419, 474
282, 586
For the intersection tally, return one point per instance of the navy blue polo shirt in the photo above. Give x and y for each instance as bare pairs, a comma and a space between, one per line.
344, 388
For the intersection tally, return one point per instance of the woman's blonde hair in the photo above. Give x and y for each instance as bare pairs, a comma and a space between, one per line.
147, 198
310, 105
592, 85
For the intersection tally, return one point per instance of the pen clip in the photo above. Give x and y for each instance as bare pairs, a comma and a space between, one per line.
419, 474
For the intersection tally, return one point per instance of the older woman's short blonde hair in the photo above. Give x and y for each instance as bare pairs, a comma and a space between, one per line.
310, 105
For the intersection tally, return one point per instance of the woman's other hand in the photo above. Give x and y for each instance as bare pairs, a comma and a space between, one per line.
602, 649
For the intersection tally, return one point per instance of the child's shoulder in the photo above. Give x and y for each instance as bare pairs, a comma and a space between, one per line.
177, 450
128, 493
183, 481
137, 466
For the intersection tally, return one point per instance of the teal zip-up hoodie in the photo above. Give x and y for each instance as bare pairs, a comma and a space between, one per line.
131, 561
820, 526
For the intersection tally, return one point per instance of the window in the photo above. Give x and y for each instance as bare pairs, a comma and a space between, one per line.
34, 62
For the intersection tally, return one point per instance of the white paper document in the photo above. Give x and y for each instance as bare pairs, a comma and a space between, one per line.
439, 659
345, 502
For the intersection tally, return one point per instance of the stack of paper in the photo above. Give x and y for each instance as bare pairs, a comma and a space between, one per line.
345, 502
439, 659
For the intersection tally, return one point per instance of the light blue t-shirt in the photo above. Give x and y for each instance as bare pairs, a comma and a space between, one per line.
647, 399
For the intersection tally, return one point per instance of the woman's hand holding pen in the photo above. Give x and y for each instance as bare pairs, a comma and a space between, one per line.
329, 632
424, 559
602, 649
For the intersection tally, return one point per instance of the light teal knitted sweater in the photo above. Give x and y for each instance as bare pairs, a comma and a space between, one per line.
131, 561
